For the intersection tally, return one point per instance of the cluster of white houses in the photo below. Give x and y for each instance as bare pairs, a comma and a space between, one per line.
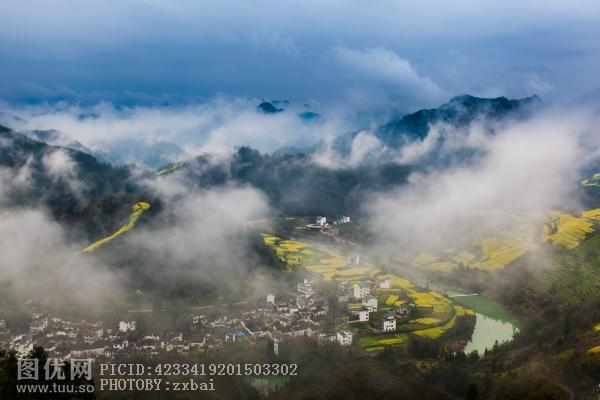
64, 337
361, 304
361, 291
321, 222
306, 312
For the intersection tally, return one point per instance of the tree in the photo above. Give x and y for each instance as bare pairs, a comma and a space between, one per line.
8, 374
472, 392
473, 356
388, 357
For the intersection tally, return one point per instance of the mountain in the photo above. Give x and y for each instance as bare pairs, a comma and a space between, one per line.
77, 189
290, 178
294, 183
120, 152
458, 114
309, 115
56, 138
150, 154
268, 108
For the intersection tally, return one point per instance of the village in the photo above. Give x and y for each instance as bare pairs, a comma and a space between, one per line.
305, 312
336, 299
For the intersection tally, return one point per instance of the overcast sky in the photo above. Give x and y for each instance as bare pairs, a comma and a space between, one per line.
406, 53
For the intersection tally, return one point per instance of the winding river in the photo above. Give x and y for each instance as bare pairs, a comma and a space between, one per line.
493, 323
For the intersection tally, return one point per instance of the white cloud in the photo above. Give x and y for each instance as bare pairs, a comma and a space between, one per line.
203, 236
384, 65
38, 263
526, 168
15, 179
364, 148
60, 166
218, 125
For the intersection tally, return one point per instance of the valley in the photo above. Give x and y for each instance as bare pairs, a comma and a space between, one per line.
235, 265
292, 200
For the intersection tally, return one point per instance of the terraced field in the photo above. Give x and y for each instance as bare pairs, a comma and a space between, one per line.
379, 342
498, 253
573, 274
567, 230
493, 252
327, 263
437, 313
136, 212
437, 331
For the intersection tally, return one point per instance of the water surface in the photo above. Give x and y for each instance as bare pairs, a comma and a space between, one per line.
493, 323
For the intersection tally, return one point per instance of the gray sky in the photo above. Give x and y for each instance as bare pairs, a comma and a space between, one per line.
407, 54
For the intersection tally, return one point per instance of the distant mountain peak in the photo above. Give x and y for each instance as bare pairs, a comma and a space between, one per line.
459, 111
469, 100
268, 108
465, 98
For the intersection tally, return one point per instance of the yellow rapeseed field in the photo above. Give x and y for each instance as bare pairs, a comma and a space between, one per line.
565, 230
136, 211
592, 214
443, 266
170, 168
436, 332
424, 258
500, 253
594, 350
426, 321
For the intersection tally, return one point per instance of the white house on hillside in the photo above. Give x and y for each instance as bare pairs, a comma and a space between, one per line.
385, 284
361, 290
127, 326
38, 325
305, 287
388, 323
363, 314
344, 338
